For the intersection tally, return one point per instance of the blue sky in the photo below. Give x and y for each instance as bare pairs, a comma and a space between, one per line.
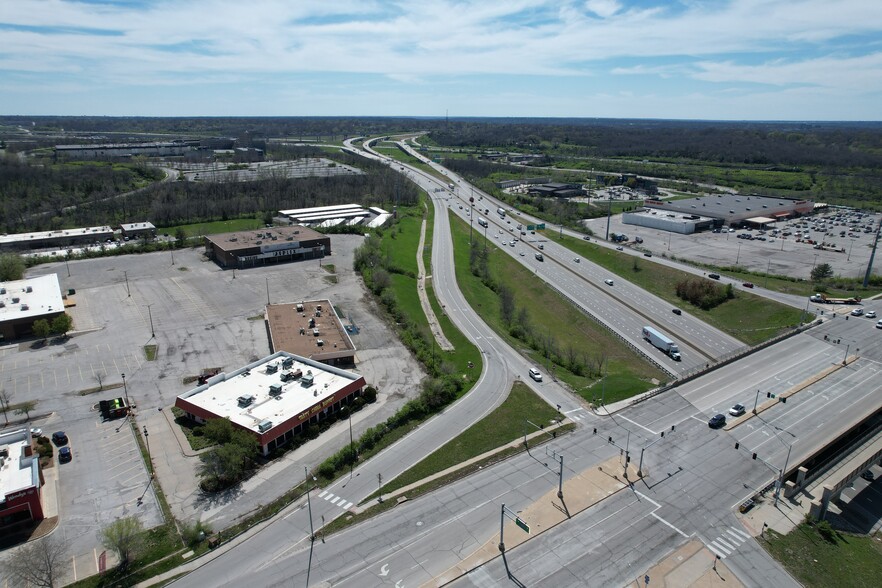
687, 59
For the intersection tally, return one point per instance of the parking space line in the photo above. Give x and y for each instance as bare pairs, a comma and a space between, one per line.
74, 562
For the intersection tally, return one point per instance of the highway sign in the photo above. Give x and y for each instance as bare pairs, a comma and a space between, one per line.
522, 524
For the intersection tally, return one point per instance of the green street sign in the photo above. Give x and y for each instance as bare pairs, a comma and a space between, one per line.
540, 226
522, 525
531, 227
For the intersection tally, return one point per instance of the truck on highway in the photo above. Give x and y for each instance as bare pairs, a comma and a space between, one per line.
501, 212
822, 298
482, 221
662, 342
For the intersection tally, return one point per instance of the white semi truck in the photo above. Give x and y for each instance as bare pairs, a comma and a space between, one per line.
662, 342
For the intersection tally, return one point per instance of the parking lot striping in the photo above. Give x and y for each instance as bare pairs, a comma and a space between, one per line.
73, 561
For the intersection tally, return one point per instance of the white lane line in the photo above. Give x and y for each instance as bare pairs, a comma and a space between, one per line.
329, 496
348, 505
336, 499
721, 548
735, 538
323, 493
716, 551
669, 525
725, 543
638, 424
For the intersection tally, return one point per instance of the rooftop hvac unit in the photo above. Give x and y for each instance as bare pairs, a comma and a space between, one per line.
319, 342
29, 289
24, 307
287, 362
272, 368
275, 390
264, 426
246, 399
315, 332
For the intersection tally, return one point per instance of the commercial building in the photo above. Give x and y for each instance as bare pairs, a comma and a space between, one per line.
310, 329
24, 301
21, 482
135, 230
62, 238
243, 249
674, 222
736, 209
557, 190
124, 150
274, 398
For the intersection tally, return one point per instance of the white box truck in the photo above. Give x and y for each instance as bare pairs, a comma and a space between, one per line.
662, 342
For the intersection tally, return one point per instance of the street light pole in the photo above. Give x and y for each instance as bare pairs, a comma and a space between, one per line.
147, 441
126, 390
126, 276
150, 314
308, 504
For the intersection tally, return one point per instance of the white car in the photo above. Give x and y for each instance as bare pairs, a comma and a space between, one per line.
879, 324
36, 433
857, 312
576, 259
608, 282
871, 314
536, 374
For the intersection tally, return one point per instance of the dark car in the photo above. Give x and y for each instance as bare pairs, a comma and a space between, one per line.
868, 475
747, 284
714, 276
587, 238
648, 254
59, 438
64, 455
676, 311
716, 421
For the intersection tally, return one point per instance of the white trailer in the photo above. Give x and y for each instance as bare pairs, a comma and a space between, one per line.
662, 342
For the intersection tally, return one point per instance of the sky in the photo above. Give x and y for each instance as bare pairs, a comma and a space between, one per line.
662, 59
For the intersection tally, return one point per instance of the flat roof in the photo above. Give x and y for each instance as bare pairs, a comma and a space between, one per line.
724, 204
17, 472
220, 395
317, 209
671, 215
342, 215
44, 297
137, 226
285, 324
249, 239
760, 219
41, 235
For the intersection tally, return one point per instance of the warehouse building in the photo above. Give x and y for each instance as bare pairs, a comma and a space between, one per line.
24, 301
243, 249
21, 482
557, 190
135, 230
274, 398
61, 238
674, 222
736, 209
310, 329
124, 150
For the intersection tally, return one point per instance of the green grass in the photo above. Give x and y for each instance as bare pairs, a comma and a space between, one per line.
848, 561
748, 317
399, 155
554, 316
150, 352
503, 425
215, 227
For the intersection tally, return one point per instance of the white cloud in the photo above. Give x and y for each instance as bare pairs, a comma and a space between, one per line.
603, 8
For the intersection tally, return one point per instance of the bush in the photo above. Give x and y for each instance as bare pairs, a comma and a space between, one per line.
703, 293
369, 394
191, 532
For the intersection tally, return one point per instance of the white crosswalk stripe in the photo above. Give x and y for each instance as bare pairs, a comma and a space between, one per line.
728, 542
348, 506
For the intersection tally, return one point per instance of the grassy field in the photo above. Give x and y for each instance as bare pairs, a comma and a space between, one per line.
627, 373
213, 228
503, 425
748, 317
845, 561
395, 153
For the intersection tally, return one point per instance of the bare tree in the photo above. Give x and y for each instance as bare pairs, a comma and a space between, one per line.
5, 402
39, 563
25, 408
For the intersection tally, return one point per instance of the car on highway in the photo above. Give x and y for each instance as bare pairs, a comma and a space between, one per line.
737, 410
608, 282
871, 314
64, 455
714, 276
576, 259
716, 421
747, 284
648, 254
586, 238
857, 312
620, 248
677, 311
536, 374
522, 254
59, 438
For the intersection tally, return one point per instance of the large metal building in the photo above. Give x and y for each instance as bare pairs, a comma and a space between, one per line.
736, 209
243, 249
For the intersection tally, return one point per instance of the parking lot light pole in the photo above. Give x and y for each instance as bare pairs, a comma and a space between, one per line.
150, 314
147, 442
755, 400
126, 390
309, 504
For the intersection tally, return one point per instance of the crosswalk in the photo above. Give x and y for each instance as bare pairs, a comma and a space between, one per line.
727, 542
577, 414
336, 500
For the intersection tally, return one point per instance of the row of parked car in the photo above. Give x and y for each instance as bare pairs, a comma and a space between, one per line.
60, 439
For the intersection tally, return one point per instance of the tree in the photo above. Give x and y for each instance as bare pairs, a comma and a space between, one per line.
26, 407
39, 563
41, 328
12, 267
180, 235
124, 537
822, 272
62, 324
5, 402
222, 466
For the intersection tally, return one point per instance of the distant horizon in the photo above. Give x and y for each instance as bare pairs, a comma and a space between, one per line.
678, 60
451, 118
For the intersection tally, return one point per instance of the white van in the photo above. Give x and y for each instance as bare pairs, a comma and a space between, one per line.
535, 374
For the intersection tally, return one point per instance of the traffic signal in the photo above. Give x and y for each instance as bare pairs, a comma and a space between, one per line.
610, 439
769, 395
783, 400
754, 456
737, 445
595, 430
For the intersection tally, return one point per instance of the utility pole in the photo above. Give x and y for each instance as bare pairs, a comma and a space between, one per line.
380, 488
126, 276
126, 390
309, 504
150, 314
267, 292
